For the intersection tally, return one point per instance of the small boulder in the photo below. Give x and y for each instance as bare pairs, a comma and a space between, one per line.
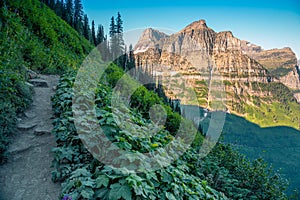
26, 126
32, 74
41, 131
39, 82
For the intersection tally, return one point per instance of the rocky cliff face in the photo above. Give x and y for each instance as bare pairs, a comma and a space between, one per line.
281, 63
248, 72
190, 49
275, 58
187, 49
193, 51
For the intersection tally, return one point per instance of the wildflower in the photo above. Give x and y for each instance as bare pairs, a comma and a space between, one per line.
67, 197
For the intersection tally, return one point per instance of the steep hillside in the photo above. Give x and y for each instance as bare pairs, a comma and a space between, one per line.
252, 90
31, 37
46, 43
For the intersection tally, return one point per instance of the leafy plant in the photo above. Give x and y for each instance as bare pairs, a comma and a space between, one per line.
223, 174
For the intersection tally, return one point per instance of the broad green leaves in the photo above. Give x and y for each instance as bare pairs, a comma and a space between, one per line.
102, 180
223, 174
119, 191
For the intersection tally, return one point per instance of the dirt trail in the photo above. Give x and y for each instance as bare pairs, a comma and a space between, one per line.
27, 174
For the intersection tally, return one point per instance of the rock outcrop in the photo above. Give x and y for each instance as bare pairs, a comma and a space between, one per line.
281, 63
274, 59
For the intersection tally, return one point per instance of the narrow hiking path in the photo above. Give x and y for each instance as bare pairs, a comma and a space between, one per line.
27, 174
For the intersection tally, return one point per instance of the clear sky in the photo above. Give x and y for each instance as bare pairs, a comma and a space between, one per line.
270, 24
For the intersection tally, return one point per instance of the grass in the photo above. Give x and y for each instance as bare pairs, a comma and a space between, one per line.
274, 114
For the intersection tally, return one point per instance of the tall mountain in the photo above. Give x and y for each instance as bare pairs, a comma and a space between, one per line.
254, 87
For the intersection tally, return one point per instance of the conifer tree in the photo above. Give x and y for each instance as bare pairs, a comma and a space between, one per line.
104, 48
59, 8
78, 13
69, 12
63, 10
94, 41
100, 35
51, 4
131, 60
116, 38
86, 29
113, 38
119, 25
119, 31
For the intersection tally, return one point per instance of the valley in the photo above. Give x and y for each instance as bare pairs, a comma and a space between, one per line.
279, 145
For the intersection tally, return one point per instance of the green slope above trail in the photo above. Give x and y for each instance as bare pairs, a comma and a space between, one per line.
31, 37
42, 40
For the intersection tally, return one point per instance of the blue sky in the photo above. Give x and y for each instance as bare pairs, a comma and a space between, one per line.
270, 24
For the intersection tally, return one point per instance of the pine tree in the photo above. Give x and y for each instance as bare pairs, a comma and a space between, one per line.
51, 4
59, 8
69, 12
63, 10
119, 25
113, 38
119, 31
116, 39
86, 28
131, 60
112, 27
100, 35
103, 48
78, 13
94, 41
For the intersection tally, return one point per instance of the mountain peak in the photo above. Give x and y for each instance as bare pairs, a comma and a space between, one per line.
200, 24
149, 39
153, 33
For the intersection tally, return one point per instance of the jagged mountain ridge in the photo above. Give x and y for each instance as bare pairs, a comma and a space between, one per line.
193, 41
195, 48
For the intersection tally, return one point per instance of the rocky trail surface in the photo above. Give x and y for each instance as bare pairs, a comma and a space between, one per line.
27, 174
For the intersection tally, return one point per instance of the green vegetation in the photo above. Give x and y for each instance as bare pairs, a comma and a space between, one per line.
278, 72
274, 114
278, 109
272, 105
47, 44
278, 146
268, 104
224, 174
32, 37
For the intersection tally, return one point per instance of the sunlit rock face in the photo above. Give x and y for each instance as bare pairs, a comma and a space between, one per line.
250, 75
